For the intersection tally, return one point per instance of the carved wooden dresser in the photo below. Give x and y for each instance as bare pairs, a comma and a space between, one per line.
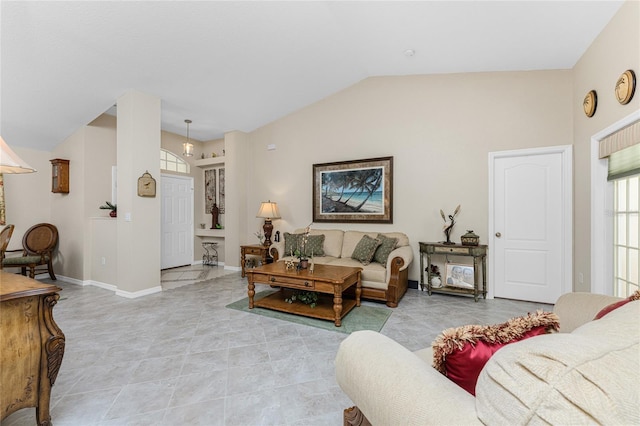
31, 345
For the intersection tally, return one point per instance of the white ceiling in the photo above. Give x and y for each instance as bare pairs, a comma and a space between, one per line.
239, 65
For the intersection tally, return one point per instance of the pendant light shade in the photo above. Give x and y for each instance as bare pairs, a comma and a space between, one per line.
10, 162
187, 147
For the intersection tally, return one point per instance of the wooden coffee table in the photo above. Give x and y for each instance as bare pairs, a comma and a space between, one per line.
325, 279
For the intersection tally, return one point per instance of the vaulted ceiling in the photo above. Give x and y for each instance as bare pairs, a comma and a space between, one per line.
232, 65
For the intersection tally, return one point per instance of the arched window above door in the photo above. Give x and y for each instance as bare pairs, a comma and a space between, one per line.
171, 162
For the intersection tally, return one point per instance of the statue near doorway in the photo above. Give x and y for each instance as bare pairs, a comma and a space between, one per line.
215, 211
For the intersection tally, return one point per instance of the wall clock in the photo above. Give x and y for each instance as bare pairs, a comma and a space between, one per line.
625, 87
590, 103
146, 185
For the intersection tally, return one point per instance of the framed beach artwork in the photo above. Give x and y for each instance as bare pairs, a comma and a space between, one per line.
354, 191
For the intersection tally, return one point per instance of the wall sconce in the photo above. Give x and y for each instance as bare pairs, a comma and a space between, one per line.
187, 147
268, 210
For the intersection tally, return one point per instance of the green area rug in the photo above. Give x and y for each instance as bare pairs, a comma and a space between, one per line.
360, 318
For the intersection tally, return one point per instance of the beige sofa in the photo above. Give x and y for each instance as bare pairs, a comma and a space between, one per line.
387, 283
586, 374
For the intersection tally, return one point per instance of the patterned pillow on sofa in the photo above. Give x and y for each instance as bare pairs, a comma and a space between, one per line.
385, 248
461, 353
291, 243
365, 249
314, 245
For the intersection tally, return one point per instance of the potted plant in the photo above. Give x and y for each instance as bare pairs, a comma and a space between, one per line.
434, 273
112, 207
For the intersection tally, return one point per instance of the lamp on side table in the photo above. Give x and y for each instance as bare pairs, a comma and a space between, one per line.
268, 210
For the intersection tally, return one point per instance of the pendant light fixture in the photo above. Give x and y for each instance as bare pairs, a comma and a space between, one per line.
187, 147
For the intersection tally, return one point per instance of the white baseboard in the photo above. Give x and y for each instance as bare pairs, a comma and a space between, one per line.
134, 295
106, 286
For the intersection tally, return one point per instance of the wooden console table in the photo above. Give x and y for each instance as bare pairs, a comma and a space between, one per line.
31, 345
479, 254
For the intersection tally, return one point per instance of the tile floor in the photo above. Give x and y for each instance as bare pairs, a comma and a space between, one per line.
181, 358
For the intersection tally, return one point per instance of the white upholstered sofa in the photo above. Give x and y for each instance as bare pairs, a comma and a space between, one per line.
384, 282
589, 373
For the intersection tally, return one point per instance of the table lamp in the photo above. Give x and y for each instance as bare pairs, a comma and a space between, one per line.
268, 210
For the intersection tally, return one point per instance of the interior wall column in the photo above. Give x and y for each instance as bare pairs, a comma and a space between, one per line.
236, 153
138, 228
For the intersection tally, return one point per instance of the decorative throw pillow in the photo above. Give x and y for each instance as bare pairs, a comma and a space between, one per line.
385, 248
314, 245
612, 307
365, 249
291, 243
461, 353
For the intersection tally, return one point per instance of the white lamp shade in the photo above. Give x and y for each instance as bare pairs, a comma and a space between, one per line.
10, 162
268, 210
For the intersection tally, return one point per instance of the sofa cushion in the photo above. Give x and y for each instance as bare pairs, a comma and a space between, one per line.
374, 274
385, 248
324, 260
351, 240
589, 376
461, 353
332, 240
616, 305
365, 249
403, 240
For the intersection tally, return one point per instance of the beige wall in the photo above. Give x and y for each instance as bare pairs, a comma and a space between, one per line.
68, 210
615, 50
27, 196
438, 128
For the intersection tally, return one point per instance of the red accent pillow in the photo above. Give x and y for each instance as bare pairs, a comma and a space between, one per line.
612, 307
461, 353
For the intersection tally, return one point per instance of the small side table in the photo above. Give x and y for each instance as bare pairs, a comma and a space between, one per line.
479, 254
256, 250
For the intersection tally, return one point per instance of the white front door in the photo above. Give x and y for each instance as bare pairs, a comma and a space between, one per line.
177, 221
530, 253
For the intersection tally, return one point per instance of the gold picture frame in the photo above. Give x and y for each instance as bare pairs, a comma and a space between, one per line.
354, 191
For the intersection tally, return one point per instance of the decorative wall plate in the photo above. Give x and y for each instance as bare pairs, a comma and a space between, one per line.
590, 103
146, 185
625, 87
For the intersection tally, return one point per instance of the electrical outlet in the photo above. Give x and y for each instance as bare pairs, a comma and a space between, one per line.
580, 278
104, 261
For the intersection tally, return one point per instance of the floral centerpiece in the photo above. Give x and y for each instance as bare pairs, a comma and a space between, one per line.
301, 249
260, 236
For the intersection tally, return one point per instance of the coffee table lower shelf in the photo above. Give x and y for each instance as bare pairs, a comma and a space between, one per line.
322, 310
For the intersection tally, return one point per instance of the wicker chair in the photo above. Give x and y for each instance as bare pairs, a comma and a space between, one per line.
5, 236
38, 244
